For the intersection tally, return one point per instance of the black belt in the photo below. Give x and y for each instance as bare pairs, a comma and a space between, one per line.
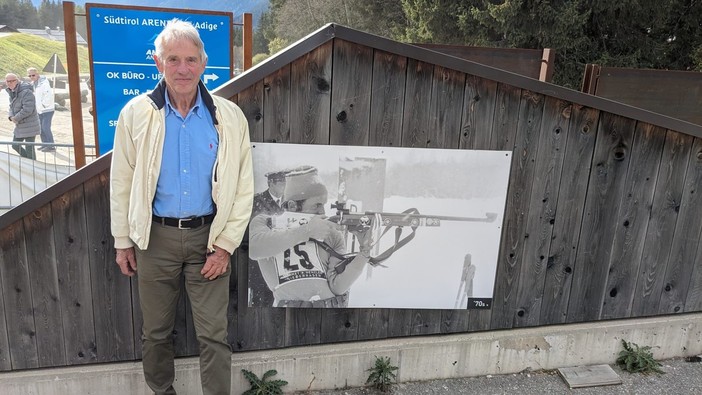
184, 223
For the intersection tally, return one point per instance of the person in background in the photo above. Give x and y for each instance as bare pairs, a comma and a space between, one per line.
270, 201
181, 192
44, 94
23, 113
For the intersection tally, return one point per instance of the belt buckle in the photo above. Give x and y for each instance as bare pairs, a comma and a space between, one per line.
180, 223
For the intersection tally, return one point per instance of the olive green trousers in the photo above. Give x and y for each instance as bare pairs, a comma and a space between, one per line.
174, 253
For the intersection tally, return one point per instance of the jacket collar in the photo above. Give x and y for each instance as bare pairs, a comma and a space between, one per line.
158, 96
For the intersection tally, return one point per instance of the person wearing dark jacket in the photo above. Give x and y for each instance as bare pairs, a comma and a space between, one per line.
23, 113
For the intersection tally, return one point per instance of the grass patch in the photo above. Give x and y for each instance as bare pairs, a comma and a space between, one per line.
22, 51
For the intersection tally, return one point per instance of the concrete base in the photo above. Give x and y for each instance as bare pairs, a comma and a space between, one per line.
418, 358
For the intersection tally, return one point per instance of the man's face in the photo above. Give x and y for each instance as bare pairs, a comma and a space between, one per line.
181, 67
276, 187
33, 75
12, 82
314, 205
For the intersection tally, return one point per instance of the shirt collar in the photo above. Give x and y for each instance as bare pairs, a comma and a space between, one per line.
198, 108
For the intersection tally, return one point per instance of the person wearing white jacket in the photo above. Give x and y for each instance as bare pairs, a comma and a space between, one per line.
44, 95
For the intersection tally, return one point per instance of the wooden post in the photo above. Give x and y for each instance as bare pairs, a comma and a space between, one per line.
547, 66
248, 40
69, 22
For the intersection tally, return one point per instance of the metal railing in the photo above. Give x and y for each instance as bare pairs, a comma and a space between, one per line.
22, 177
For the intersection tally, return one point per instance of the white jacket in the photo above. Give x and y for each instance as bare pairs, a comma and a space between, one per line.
44, 94
136, 164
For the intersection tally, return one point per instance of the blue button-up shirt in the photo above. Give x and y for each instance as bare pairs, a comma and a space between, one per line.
184, 186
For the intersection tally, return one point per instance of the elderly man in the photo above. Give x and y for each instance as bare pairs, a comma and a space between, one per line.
181, 197
44, 95
23, 113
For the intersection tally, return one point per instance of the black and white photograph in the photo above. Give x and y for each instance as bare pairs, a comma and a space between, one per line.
367, 227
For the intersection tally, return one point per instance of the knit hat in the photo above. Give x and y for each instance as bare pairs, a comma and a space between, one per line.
303, 183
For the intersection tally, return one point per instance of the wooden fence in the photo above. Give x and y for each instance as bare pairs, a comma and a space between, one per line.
602, 217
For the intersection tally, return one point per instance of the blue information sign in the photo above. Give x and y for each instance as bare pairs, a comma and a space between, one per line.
122, 47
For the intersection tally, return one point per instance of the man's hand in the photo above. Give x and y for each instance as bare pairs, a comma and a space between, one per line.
319, 227
216, 264
126, 260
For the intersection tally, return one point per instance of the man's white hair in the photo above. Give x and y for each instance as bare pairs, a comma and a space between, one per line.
177, 29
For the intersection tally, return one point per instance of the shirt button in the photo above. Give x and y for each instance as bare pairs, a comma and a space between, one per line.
185, 171
185, 193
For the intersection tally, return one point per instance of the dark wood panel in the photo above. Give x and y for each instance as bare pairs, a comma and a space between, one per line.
667, 199
73, 265
415, 121
542, 210
340, 325
310, 96
478, 112
572, 190
399, 322
250, 101
668, 92
111, 290
446, 108
351, 93
43, 278
425, 322
373, 324
387, 99
276, 105
633, 220
257, 327
302, 326
137, 317
14, 276
607, 181
479, 105
5, 362
683, 255
528, 124
526, 62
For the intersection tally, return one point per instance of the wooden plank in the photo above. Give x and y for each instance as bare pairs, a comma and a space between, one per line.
445, 111
302, 326
572, 190
73, 265
111, 290
415, 120
479, 104
137, 317
310, 96
425, 322
606, 186
5, 361
478, 112
250, 100
687, 234
387, 99
528, 124
257, 327
661, 228
339, 325
399, 322
19, 317
542, 211
373, 324
276, 106
43, 278
351, 96
634, 214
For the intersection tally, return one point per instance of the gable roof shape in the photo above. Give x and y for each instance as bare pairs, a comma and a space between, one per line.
332, 30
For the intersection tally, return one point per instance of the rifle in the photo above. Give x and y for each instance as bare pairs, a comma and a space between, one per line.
410, 218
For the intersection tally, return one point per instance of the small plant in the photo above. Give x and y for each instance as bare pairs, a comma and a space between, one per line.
635, 359
261, 386
382, 374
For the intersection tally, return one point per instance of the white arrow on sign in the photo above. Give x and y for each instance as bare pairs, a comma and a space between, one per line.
210, 77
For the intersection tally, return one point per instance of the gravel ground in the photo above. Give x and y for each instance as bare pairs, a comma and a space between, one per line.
681, 377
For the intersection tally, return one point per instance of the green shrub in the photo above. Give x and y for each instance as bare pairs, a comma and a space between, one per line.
382, 374
262, 386
635, 359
